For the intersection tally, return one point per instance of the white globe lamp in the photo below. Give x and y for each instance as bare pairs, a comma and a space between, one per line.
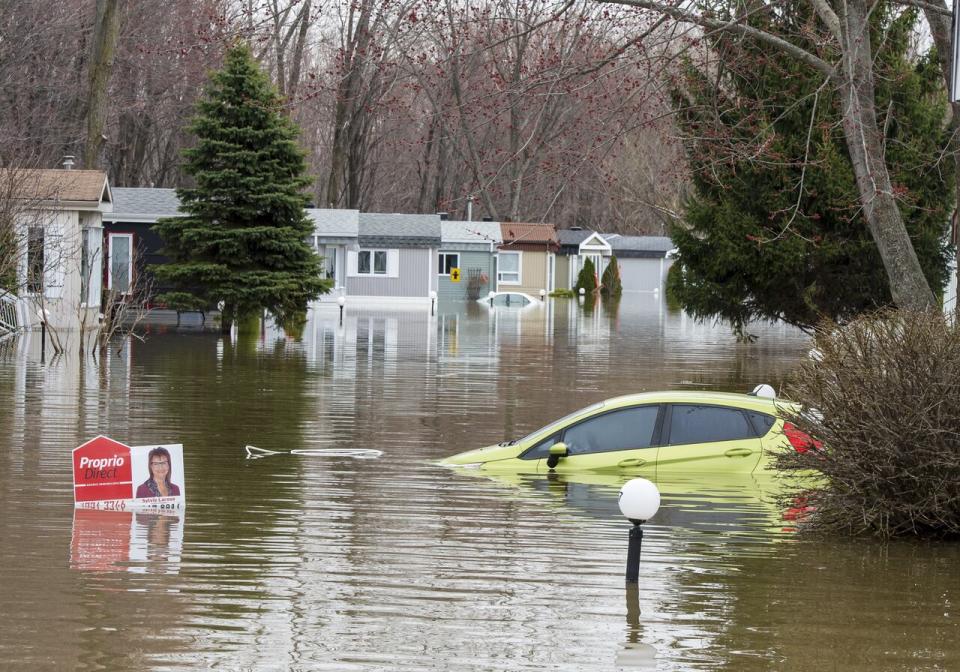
639, 502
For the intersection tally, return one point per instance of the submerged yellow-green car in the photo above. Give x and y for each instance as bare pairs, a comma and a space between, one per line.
653, 432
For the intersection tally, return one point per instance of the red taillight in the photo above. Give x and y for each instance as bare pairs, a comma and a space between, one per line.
800, 440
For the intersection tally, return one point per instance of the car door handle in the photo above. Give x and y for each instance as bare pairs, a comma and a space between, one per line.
631, 462
739, 452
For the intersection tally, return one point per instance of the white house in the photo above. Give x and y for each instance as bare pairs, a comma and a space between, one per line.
57, 220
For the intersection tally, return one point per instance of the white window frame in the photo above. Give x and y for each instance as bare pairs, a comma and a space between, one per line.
519, 271
597, 260
372, 272
441, 265
36, 271
111, 237
86, 274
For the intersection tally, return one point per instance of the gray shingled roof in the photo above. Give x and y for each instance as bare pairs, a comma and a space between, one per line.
470, 232
418, 230
639, 243
573, 236
139, 204
328, 222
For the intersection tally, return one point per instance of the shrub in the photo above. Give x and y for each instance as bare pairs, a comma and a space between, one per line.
610, 285
563, 293
883, 396
587, 278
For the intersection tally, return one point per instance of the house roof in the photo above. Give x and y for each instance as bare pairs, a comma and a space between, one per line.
390, 229
470, 232
573, 236
329, 222
639, 243
84, 188
142, 204
525, 234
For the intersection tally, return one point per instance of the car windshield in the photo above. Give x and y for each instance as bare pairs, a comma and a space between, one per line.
553, 426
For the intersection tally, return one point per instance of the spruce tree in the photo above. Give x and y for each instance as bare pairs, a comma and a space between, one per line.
610, 285
242, 242
774, 229
587, 278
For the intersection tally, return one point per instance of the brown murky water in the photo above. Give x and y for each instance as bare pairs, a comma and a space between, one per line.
320, 563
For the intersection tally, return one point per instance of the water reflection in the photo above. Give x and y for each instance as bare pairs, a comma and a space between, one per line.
141, 542
636, 654
304, 562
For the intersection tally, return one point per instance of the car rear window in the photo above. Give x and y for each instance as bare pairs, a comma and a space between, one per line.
761, 422
706, 424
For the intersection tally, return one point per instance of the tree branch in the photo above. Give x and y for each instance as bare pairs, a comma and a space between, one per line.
829, 17
927, 7
732, 27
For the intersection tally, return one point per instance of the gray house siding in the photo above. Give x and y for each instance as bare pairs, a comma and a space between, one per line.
481, 262
417, 270
644, 275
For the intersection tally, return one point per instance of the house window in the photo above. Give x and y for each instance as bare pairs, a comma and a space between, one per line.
449, 260
84, 266
35, 260
372, 262
330, 263
121, 263
508, 268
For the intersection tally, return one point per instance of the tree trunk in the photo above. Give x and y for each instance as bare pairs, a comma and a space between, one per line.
226, 319
105, 32
293, 82
908, 286
940, 28
355, 50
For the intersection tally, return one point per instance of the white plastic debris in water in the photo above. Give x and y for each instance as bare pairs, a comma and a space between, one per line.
254, 453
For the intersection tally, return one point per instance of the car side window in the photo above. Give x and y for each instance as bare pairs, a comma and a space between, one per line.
540, 450
705, 424
623, 429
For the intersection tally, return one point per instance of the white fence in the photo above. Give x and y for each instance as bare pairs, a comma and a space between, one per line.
9, 314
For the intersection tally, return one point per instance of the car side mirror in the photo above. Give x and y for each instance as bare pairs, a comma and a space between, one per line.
557, 452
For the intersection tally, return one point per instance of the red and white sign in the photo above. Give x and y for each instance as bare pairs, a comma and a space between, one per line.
111, 476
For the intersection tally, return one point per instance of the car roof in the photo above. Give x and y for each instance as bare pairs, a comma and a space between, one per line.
699, 397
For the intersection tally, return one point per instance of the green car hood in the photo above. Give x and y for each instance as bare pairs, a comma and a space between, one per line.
488, 454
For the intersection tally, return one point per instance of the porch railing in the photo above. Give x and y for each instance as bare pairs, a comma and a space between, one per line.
9, 317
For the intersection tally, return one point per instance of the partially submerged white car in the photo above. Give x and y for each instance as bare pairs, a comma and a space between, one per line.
510, 300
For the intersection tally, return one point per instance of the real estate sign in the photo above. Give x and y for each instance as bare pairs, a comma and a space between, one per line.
111, 476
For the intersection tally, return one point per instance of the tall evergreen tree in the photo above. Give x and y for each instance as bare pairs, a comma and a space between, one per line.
775, 230
587, 278
242, 243
610, 284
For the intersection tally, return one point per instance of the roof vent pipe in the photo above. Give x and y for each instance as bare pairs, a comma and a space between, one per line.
68, 162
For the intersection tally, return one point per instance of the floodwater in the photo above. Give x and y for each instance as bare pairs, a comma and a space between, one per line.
298, 562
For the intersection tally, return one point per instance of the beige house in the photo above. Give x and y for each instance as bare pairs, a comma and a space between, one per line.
57, 244
526, 259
